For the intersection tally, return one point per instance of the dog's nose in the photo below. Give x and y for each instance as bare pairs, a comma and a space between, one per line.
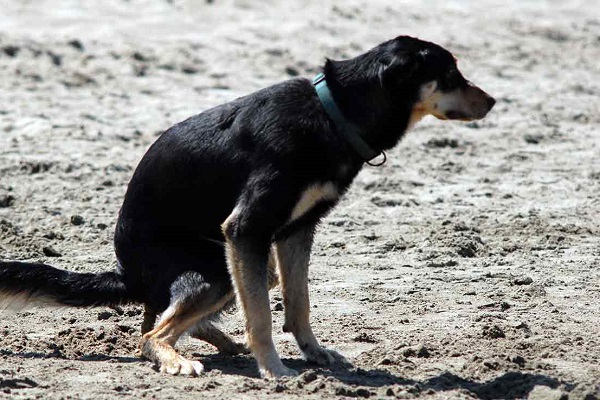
490, 102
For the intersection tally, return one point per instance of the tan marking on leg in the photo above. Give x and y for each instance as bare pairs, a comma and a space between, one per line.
157, 345
312, 195
293, 255
253, 295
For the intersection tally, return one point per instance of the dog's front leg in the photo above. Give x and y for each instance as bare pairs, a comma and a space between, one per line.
247, 259
293, 255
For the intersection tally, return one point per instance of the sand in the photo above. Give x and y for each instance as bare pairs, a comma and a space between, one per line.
465, 267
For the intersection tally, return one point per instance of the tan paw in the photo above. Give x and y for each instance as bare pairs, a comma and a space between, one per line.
277, 372
322, 356
182, 366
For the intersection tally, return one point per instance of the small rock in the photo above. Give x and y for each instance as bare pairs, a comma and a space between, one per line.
493, 332
137, 56
420, 351
125, 328
189, 70
409, 352
76, 44
385, 361
11, 51
468, 248
51, 252
104, 315
280, 388
118, 309
6, 200
309, 376
343, 391
523, 280
364, 337
77, 220
533, 139
291, 71
423, 352
520, 361
491, 364
55, 58
442, 142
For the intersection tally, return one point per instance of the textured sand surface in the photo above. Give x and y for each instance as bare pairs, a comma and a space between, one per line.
465, 267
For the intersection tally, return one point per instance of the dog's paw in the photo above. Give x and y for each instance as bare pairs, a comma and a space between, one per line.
232, 348
181, 366
278, 372
322, 356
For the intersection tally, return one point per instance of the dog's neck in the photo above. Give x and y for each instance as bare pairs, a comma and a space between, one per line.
356, 90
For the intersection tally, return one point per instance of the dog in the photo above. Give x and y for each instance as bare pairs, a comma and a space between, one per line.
224, 199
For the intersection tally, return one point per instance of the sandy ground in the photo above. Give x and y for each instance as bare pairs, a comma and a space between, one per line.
465, 267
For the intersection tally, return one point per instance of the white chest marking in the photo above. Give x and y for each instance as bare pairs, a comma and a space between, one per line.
312, 195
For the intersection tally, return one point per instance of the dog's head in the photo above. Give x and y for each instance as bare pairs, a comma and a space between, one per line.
428, 73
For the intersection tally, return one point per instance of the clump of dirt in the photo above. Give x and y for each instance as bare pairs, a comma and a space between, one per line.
79, 343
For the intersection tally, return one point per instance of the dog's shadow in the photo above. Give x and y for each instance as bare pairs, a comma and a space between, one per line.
510, 385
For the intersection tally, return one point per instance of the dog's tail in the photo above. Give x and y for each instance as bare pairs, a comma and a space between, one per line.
24, 285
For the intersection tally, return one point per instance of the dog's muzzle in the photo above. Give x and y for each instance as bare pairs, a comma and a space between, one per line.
470, 103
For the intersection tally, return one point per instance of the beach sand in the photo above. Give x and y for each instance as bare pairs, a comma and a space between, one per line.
465, 267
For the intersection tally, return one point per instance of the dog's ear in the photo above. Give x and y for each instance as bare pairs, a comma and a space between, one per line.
400, 68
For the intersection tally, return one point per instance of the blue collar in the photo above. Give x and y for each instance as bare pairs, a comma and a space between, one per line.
349, 130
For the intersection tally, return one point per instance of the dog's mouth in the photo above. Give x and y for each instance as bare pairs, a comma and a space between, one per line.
458, 115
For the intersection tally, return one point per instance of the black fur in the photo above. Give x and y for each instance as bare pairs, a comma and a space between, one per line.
258, 152
42, 281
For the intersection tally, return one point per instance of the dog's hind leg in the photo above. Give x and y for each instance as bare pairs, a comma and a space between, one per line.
192, 299
293, 255
207, 332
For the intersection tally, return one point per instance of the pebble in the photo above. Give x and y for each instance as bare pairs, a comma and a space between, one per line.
50, 252
523, 280
309, 376
104, 315
77, 220
6, 200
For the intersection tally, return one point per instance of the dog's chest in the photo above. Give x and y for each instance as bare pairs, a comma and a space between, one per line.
313, 195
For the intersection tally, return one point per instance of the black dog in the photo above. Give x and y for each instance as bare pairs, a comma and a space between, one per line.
225, 197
